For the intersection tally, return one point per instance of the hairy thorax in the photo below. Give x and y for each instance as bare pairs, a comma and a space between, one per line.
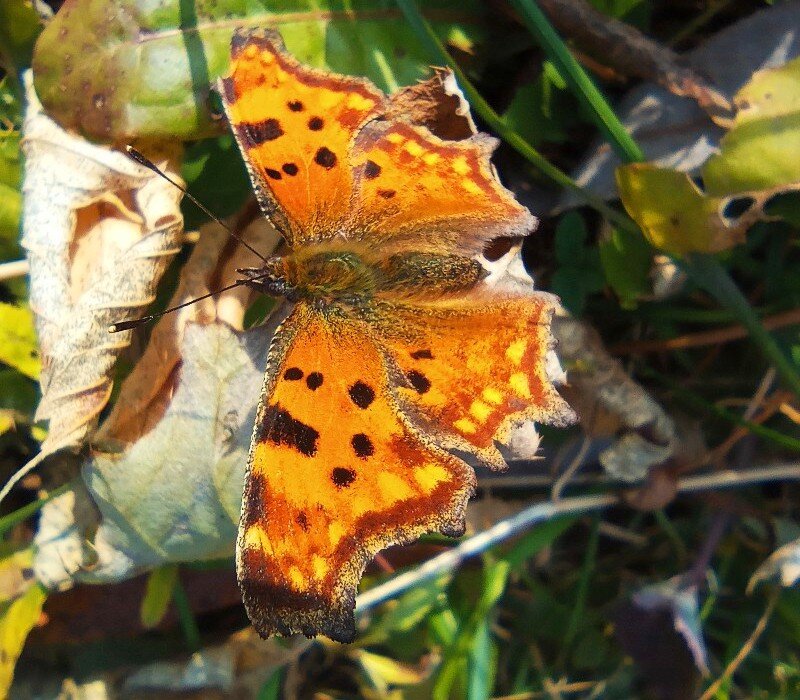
347, 274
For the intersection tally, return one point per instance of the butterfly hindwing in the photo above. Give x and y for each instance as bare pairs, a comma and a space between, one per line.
476, 368
335, 474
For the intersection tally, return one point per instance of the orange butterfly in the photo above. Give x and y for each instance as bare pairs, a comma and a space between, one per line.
395, 352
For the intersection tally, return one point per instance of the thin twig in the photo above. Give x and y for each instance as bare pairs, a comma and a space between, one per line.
542, 512
747, 647
704, 338
569, 472
12, 270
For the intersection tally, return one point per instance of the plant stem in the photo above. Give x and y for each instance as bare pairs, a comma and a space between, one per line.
708, 273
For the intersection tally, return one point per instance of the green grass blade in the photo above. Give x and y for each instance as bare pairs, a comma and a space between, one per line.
191, 632
579, 82
12, 519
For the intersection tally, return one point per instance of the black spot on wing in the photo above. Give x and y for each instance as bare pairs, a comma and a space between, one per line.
302, 521
293, 374
314, 380
295, 105
419, 381
361, 394
272, 173
260, 132
422, 354
371, 170
290, 169
316, 123
342, 477
362, 446
325, 157
282, 429
387, 194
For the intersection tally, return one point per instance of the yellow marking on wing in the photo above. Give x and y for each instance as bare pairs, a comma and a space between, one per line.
392, 484
460, 165
252, 50
519, 383
395, 138
516, 350
359, 102
320, 565
335, 532
413, 148
470, 186
430, 158
492, 395
465, 425
480, 410
296, 577
429, 476
256, 538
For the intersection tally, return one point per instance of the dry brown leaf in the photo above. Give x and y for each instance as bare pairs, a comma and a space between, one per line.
611, 404
99, 231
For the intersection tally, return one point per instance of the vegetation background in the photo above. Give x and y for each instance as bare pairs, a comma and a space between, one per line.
651, 552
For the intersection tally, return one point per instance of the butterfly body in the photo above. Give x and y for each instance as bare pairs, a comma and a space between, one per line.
396, 352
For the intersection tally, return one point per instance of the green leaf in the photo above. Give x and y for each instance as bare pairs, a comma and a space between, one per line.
18, 346
271, 690
160, 59
407, 612
570, 239
626, 260
216, 176
19, 27
535, 540
543, 111
579, 274
17, 618
158, 594
482, 663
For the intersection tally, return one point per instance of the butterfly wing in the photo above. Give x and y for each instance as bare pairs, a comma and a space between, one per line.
476, 368
442, 196
294, 126
335, 474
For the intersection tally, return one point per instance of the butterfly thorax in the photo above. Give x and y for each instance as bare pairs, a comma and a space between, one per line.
352, 275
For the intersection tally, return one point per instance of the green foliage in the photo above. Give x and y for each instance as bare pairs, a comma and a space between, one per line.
579, 272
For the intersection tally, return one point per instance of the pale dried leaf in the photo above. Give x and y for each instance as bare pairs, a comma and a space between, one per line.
99, 231
611, 404
783, 564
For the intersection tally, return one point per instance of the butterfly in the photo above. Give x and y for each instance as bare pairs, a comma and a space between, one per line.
396, 352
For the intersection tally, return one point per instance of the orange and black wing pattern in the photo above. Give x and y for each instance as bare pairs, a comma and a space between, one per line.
335, 475
413, 189
295, 125
476, 368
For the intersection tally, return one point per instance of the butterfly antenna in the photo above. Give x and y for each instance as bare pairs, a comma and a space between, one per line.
127, 325
150, 165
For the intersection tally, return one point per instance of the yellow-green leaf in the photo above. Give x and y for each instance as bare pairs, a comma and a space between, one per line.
18, 347
158, 594
674, 214
17, 618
